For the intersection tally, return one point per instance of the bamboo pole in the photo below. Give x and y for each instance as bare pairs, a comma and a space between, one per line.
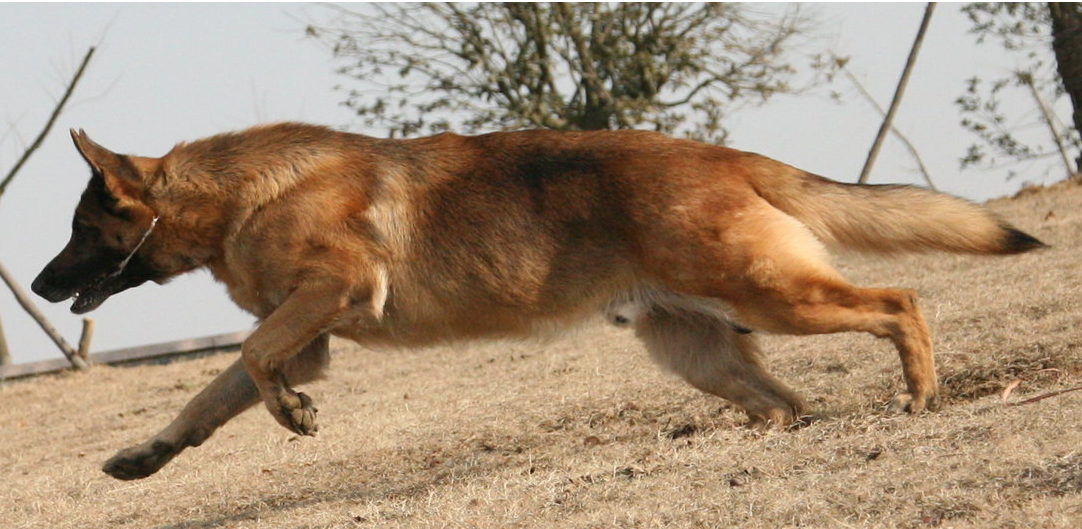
897, 94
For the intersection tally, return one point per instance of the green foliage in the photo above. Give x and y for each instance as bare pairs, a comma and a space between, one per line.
1017, 26
1024, 31
677, 68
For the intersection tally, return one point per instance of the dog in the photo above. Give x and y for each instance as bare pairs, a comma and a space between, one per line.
411, 242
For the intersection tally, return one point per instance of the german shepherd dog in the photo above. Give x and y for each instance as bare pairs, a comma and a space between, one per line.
420, 241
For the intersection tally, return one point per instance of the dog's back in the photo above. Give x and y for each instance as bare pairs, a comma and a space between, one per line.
417, 241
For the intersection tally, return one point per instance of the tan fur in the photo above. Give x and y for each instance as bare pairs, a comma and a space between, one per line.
879, 218
414, 242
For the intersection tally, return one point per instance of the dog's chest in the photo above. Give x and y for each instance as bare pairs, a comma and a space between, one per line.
248, 288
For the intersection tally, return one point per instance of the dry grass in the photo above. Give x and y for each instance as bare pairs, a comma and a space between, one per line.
584, 432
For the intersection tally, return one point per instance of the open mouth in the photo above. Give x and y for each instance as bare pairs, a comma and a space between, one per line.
91, 296
82, 303
84, 298
122, 273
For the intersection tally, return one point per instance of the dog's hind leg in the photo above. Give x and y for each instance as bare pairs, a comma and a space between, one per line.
230, 393
778, 279
712, 355
819, 306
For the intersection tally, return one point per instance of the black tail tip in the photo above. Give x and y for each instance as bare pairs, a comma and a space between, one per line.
1017, 241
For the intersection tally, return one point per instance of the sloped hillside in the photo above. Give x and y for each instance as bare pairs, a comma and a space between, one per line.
584, 432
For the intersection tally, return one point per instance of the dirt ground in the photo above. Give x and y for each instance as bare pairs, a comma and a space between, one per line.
584, 432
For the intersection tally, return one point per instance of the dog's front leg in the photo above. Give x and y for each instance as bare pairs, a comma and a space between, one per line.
230, 393
308, 312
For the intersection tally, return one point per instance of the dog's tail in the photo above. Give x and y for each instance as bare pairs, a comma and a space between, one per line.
888, 218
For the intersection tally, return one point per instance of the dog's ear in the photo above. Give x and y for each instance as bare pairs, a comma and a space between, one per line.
101, 160
125, 176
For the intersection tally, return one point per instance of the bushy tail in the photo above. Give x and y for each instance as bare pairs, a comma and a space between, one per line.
889, 218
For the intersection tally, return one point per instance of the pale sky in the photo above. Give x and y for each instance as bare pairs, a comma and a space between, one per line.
170, 72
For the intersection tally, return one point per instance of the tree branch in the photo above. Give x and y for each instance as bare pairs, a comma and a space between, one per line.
912, 150
48, 125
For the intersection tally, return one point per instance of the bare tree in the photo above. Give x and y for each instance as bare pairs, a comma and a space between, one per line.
1067, 45
677, 68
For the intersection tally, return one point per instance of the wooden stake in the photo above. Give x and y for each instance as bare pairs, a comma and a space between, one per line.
84, 340
5, 354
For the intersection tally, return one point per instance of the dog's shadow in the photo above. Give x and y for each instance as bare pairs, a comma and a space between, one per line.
397, 474
392, 474
415, 471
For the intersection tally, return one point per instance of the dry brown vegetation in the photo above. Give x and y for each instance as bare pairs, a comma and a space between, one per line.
585, 432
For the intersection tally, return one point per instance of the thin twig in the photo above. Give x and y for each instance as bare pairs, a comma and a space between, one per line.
1018, 381
48, 125
1045, 396
909, 145
1049, 119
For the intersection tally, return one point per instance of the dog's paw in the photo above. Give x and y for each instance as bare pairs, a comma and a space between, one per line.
140, 461
770, 418
911, 403
295, 411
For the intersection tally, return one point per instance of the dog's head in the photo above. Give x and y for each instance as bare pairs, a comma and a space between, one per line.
112, 221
